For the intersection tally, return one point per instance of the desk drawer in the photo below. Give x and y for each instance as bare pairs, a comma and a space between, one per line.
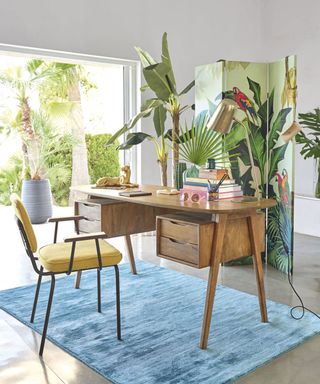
185, 252
180, 231
89, 210
89, 226
186, 239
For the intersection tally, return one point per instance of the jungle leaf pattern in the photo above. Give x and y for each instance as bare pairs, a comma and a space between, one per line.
264, 140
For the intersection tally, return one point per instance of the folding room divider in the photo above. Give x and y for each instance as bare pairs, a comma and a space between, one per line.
266, 96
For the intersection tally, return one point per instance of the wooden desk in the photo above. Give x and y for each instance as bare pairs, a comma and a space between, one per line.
236, 224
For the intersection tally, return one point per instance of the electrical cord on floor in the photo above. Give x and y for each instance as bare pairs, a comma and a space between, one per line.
302, 306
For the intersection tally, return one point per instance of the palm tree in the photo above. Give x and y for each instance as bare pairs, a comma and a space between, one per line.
22, 81
60, 93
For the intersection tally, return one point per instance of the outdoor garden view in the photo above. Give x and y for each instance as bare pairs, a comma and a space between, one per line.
55, 121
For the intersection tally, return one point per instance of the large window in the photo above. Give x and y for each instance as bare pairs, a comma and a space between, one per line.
67, 101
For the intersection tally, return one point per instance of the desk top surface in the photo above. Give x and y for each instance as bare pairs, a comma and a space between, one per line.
173, 201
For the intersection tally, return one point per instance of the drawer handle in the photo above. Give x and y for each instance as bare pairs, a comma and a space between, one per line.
179, 223
181, 242
175, 241
91, 220
88, 205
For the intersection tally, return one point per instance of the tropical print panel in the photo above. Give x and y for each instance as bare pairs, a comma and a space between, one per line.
265, 94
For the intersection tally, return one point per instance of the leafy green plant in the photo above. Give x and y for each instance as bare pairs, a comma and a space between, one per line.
102, 162
10, 179
198, 143
161, 81
310, 141
49, 142
21, 81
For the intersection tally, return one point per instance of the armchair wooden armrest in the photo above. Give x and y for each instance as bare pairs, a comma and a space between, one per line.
86, 236
65, 218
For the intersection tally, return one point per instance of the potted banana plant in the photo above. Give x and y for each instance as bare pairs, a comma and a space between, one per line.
166, 101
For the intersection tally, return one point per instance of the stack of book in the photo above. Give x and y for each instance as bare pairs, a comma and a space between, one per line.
229, 189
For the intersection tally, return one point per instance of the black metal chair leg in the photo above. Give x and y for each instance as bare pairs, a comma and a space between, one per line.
99, 289
46, 322
35, 301
116, 269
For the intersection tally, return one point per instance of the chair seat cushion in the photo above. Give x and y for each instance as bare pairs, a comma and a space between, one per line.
56, 257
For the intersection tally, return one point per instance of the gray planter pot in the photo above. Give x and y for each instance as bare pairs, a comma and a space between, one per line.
36, 196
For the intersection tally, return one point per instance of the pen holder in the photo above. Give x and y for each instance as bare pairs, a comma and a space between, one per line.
212, 194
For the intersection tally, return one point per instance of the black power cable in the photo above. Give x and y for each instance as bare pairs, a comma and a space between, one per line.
302, 306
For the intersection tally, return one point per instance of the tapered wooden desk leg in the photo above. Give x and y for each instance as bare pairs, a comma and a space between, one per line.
131, 255
78, 279
253, 227
217, 248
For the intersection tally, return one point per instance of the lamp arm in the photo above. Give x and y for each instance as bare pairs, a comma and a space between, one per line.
254, 173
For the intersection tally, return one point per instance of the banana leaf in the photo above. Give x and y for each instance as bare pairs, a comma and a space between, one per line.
159, 118
256, 89
134, 138
155, 76
129, 125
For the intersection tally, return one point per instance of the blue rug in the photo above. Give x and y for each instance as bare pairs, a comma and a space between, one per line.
161, 321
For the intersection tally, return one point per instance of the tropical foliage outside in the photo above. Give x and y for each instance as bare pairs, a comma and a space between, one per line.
44, 109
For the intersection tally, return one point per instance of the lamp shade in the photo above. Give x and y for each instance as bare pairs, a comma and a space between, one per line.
222, 118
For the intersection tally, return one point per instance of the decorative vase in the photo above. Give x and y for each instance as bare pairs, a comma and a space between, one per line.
210, 164
317, 187
181, 167
193, 171
36, 196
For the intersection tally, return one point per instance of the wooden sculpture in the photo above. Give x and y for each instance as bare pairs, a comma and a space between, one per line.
118, 181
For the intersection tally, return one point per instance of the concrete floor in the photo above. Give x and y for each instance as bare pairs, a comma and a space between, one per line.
19, 360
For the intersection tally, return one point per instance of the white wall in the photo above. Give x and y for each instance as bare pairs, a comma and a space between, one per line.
199, 32
293, 27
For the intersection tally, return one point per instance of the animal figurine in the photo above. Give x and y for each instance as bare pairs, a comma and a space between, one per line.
125, 175
118, 181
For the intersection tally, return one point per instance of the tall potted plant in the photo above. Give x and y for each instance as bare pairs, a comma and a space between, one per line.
36, 190
166, 100
310, 141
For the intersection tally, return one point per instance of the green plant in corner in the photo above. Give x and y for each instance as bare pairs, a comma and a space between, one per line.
310, 141
161, 81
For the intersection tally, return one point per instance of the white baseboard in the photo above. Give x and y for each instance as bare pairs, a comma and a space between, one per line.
307, 215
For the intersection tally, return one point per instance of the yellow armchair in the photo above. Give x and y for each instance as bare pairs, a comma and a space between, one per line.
77, 253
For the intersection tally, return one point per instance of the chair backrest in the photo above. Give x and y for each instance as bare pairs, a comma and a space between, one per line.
22, 215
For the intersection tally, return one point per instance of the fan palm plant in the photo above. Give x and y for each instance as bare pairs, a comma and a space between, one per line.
198, 143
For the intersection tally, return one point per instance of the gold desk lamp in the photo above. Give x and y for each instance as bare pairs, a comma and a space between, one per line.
221, 121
